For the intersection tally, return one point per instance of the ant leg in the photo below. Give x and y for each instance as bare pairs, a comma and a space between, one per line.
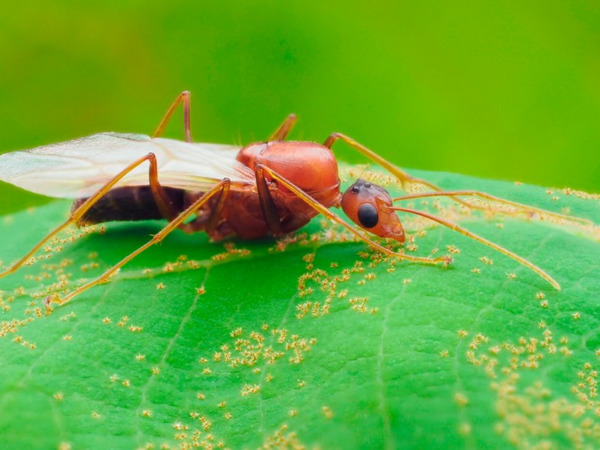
461, 230
213, 219
445, 260
406, 178
284, 128
222, 187
185, 98
394, 170
160, 197
266, 201
215, 215
515, 208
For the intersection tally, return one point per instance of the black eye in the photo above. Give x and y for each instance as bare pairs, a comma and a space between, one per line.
367, 215
355, 189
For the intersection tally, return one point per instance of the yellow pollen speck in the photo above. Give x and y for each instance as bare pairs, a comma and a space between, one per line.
200, 290
140, 357
462, 333
444, 353
155, 370
106, 320
540, 295
576, 315
237, 332
565, 351
461, 399
327, 412
453, 249
126, 383
59, 396
146, 413
465, 429
249, 389
160, 286
95, 415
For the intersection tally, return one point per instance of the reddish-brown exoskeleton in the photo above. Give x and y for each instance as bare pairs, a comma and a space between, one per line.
272, 187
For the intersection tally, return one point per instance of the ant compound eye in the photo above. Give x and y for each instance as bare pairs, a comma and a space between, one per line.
368, 216
355, 189
367, 184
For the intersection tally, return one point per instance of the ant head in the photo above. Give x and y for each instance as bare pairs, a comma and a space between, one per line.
368, 206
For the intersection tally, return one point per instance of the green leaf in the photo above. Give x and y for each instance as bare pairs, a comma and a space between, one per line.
309, 341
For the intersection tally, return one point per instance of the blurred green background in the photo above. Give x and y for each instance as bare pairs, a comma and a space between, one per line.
500, 89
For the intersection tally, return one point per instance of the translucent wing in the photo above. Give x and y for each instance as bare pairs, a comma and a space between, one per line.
78, 168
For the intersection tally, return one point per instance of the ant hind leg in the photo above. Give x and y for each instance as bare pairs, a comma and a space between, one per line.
76, 216
221, 189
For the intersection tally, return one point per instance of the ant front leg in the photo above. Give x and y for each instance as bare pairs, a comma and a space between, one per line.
455, 227
445, 260
185, 98
514, 207
404, 177
160, 196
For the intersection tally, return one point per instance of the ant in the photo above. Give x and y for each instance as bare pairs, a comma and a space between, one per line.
273, 187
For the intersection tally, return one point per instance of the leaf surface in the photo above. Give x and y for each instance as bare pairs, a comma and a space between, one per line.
306, 341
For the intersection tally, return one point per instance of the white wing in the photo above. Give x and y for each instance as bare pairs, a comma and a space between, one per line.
78, 168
